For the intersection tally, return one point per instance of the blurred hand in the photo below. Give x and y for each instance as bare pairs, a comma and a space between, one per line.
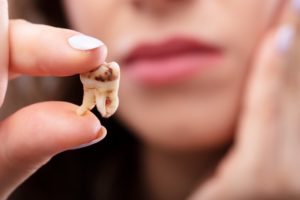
31, 136
264, 162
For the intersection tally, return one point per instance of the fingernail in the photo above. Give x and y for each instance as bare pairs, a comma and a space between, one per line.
285, 37
84, 42
296, 5
101, 135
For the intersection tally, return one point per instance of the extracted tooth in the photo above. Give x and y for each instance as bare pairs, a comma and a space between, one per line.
101, 88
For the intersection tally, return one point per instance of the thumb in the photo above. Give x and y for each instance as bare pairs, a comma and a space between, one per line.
31, 136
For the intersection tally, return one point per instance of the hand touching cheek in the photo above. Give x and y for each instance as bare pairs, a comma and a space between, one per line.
264, 162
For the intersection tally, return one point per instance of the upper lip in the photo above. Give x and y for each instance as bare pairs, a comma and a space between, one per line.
172, 47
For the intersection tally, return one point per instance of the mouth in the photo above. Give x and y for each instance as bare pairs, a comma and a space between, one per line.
170, 61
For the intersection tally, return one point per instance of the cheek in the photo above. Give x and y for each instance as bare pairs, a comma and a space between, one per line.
89, 16
179, 126
244, 22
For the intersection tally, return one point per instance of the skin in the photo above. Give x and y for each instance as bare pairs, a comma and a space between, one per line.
201, 97
256, 88
20, 156
197, 130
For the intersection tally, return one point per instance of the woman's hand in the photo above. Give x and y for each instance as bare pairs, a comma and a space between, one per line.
264, 162
31, 136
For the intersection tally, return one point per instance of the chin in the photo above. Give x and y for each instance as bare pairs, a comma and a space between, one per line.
190, 140
181, 134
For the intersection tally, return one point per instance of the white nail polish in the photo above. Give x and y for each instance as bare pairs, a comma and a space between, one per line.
296, 5
285, 37
84, 42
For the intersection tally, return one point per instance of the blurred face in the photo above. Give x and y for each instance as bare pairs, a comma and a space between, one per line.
184, 63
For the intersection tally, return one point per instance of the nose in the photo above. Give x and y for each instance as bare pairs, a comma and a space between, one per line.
158, 6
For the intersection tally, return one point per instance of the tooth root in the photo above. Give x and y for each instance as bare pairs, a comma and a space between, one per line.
112, 106
100, 102
81, 110
88, 101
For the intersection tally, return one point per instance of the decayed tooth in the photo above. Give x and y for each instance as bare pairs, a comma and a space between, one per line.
101, 88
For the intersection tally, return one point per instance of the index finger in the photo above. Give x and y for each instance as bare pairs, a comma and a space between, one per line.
3, 48
41, 50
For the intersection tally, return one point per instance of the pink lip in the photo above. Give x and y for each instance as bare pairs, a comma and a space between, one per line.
170, 61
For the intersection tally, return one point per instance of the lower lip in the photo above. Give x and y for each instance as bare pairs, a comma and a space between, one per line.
171, 69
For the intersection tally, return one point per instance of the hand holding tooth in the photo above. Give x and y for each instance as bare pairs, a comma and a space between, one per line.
101, 89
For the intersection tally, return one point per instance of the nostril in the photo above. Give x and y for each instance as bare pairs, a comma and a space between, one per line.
159, 7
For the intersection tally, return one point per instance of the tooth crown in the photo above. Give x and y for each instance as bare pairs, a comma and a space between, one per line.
101, 88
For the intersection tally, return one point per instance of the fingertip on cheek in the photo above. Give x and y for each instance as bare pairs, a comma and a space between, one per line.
284, 38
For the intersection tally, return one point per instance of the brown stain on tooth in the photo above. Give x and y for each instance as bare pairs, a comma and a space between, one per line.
109, 91
100, 78
108, 101
106, 77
